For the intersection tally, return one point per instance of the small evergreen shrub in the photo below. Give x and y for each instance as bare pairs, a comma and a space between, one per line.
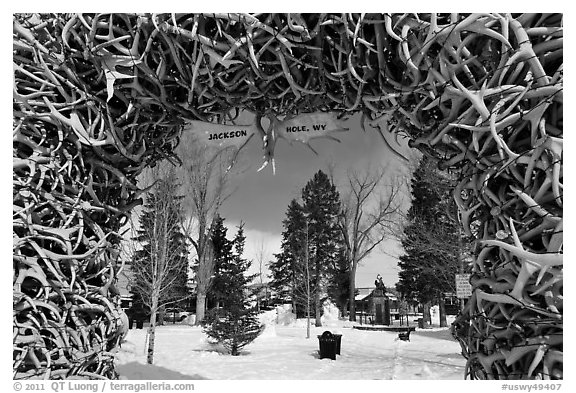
233, 329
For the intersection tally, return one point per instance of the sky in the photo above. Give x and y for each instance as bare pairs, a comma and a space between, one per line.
260, 199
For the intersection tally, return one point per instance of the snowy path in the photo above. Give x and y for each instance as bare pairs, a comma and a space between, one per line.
284, 353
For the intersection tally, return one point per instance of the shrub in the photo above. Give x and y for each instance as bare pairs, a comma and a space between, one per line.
233, 329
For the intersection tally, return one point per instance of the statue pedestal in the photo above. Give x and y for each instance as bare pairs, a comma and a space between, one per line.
381, 307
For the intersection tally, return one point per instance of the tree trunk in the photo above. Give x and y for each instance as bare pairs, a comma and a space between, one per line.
308, 319
343, 307
152, 330
352, 293
200, 308
318, 307
442, 309
426, 314
204, 273
151, 338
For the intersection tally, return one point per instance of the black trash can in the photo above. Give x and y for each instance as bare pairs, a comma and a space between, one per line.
327, 345
338, 338
421, 323
139, 324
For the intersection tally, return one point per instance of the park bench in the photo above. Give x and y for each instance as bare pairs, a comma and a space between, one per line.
405, 334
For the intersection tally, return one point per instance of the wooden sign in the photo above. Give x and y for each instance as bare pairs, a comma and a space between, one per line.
222, 135
463, 287
308, 126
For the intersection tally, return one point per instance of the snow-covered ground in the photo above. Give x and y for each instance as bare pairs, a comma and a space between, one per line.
284, 352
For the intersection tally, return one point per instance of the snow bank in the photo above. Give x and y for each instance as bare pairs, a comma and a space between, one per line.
435, 315
284, 315
190, 320
268, 319
331, 315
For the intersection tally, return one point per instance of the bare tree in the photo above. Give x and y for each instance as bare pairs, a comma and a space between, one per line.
260, 256
158, 251
370, 210
205, 174
305, 292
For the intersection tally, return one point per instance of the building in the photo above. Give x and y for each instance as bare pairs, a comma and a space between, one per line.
367, 306
262, 295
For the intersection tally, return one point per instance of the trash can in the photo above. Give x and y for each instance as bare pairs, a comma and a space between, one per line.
338, 338
421, 323
327, 343
139, 324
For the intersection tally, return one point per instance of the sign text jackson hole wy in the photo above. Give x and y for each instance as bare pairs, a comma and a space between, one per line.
227, 135
302, 128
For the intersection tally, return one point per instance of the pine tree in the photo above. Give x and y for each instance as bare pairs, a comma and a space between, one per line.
339, 283
238, 280
223, 260
285, 279
310, 263
235, 323
321, 204
431, 239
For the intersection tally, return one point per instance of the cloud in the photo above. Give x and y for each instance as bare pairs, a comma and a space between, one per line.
260, 245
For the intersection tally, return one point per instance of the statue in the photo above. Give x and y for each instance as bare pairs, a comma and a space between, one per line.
379, 283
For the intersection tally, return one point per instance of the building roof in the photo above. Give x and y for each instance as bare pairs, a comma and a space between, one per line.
366, 293
363, 293
361, 296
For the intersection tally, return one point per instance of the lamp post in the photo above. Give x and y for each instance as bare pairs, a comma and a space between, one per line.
307, 284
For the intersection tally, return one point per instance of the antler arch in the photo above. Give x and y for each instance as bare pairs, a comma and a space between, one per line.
98, 97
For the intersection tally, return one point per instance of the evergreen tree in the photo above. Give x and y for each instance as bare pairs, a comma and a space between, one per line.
223, 261
431, 240
285, 279
339, 283
311, 262
235, 323
321, 205
238, 280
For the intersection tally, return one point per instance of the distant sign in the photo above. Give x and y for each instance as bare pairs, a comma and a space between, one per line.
463, 287
308, 126
222, 135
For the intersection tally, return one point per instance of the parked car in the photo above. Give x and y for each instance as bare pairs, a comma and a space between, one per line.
175, 315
